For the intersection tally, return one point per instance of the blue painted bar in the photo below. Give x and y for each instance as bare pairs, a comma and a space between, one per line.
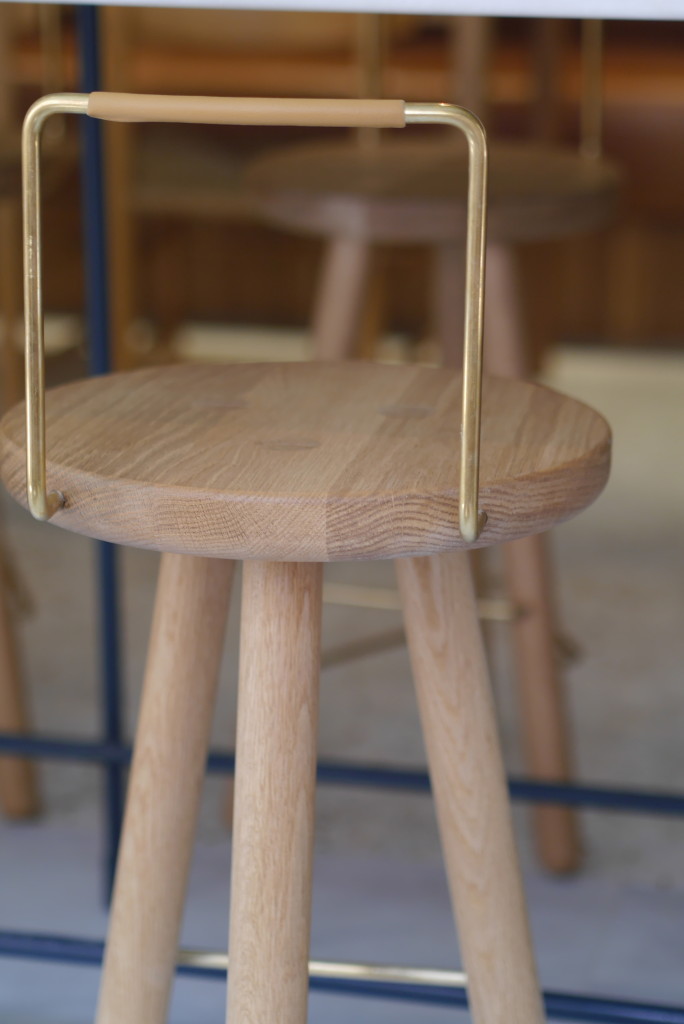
591, 797
97, 314
559, 1005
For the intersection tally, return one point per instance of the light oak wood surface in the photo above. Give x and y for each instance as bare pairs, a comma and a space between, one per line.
469, 787
275, 781
308, 462
413, 190
164, 792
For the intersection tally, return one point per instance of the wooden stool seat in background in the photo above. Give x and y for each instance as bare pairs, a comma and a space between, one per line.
307, 462
413, 191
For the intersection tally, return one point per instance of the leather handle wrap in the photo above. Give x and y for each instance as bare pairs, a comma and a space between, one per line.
337, 113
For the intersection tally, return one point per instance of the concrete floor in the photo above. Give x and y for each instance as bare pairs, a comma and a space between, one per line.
615, 930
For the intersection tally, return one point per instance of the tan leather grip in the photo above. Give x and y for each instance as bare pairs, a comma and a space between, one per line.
349, 113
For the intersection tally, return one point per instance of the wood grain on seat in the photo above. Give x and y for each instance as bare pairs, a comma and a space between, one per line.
305, 461
413, 190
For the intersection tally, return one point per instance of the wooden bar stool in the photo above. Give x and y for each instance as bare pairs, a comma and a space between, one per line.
287, 467
365, 192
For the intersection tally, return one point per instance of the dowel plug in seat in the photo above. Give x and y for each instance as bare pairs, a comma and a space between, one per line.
287, 467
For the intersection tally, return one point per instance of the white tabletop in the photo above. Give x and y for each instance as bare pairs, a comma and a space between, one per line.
648, 10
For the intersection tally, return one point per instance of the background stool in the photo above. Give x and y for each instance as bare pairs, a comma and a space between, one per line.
19, 797
371, 191
287, 467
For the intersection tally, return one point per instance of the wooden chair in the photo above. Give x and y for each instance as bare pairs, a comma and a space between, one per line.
287, 467
370, 191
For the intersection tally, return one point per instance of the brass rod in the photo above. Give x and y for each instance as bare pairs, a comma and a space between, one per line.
330, 969
471, 518
41, 504
354, 595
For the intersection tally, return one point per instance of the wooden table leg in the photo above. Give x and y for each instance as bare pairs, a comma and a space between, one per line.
469, 786
165, 787
274, 793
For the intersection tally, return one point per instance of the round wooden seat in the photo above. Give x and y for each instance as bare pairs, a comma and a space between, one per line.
306, 462
413, 190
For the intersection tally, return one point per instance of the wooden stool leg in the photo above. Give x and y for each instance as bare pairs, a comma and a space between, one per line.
18, 790
540, 694
469, 786
10, 301
543, 716
505, 353
274, 793
164, 790
341, 295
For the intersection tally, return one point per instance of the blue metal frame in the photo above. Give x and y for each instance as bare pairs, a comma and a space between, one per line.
97, 318
337, 773
559, 1005
114, 755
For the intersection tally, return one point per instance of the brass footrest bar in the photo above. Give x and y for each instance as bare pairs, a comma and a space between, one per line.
386, 599
363, 648
354, 595
332, 970
559, 1005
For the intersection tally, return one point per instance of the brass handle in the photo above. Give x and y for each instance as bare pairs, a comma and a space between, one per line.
471, 519
120, 106
41, 504
214, 110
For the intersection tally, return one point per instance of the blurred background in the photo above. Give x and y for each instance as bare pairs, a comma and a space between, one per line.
184, 248
194, 273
